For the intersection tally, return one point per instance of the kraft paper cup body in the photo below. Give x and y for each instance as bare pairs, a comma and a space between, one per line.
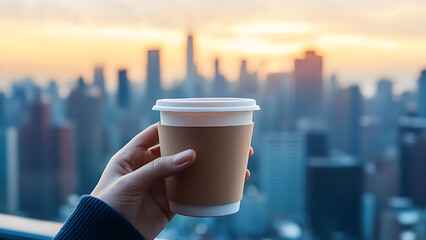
205, 112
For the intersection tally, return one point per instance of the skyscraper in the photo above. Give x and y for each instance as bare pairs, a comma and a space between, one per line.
99, 80
317, 144
123, 95
334, 197
346, 130
421, 94
35, 169
384, 91
308, 74
384, 110
61, 153
220, 85
191, 69
193, 85
153, 89
57, 115
369, 139
354, 109
19, 102
399, 218
331, 110
3, 160
276, 102
252, 219
13, 169
2, 110
283, 172
85, 113
46, 172
412, 145
248, 82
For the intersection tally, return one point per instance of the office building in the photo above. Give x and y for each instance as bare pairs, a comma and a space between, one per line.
194, 83
124, 94
384, 110
283, 172
3, 164
153, 89
191, 69
13, 171
45, 172
85, 114
332, 104
153, 76
370, 130
400, 220
56, 103
421, 94
277, 102
334, 188
384, 171
346, 131
3, 171
248, 85
252, 219
99, 80
308, 80
220, 85
36, 180
317, 144
412, 145
61, 154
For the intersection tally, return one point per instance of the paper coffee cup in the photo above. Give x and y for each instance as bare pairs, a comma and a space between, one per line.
219, 130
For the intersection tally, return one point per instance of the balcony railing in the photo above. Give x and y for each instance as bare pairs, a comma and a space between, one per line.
13, 227
21, 228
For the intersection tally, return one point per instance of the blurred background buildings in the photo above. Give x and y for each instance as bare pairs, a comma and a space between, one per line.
329, 163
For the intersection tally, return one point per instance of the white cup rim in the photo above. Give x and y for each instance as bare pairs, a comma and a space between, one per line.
205, 104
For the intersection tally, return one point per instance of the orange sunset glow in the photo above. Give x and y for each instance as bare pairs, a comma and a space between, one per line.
360, 41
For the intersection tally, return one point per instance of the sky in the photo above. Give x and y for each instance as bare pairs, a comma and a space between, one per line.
361, 41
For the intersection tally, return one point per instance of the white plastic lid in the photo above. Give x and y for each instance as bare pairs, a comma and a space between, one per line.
205, 104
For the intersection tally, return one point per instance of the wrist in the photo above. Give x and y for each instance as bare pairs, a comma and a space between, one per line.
94, 219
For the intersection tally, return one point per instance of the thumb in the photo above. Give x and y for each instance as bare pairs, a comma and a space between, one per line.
162, 167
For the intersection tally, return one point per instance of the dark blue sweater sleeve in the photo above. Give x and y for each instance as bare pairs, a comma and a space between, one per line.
94, 219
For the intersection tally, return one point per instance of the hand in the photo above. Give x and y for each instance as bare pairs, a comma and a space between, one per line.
133, 182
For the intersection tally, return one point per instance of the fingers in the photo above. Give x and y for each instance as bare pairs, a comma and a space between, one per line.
251, 152
155, 150
147, 138
160, 168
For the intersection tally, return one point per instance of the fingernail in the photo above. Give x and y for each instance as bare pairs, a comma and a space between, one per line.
182, 157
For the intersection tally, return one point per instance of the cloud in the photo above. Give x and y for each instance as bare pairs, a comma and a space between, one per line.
382, 17
347, 32
145, 33
270, 27
339, 40
246, 45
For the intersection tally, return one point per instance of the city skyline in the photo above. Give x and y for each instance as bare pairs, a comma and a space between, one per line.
111, 82
267, 38
339, 144
62, 143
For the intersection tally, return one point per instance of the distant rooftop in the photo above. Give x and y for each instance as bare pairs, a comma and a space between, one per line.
28, 227
333, 161
415, 122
